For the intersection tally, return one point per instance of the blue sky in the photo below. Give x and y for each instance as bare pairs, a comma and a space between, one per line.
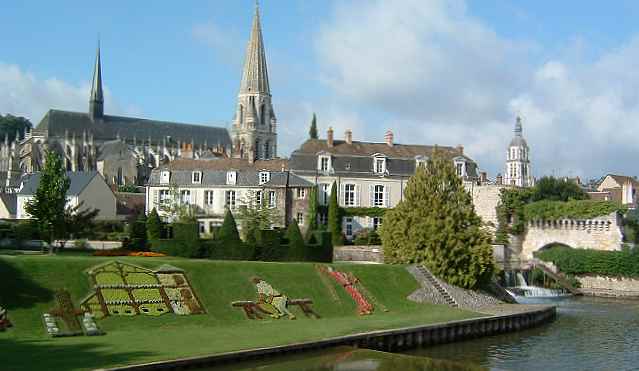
445, 72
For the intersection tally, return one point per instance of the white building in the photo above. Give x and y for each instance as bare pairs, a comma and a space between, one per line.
88, 188
367, 174
518, 172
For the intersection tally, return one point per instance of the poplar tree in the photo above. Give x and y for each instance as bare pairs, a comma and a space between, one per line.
296, 245
334, 218
153, 226
436, 225
311, 217
313, 130
49, 203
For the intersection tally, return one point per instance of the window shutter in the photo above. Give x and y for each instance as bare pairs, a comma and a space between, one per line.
387, 196
156, 197
371, 193
358, 191
342, 194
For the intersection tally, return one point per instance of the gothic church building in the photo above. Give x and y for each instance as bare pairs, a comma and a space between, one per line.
125, 149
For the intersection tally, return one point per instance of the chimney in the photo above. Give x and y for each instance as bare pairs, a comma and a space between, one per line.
388, 138
499, 180
483, 177
348, 135
460, 149
329, 136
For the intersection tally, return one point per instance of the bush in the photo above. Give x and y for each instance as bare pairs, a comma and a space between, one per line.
137, 234
624, 263
367, 237
296, 245
81, 244
582, 209
26, 231
322, 251
153, 226
269, 246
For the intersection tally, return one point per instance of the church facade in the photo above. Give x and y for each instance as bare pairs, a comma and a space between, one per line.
126, 149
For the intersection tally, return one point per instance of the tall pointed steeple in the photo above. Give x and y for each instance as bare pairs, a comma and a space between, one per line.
518, 127
255, 125
96, 99
255, 74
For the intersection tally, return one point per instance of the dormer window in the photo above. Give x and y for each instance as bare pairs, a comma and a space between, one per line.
324, 163
265, 176
460, 166
379, 165
421, 161
165, 177
196, 177
231, 177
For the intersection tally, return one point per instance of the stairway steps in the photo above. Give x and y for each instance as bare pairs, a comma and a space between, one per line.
441, 290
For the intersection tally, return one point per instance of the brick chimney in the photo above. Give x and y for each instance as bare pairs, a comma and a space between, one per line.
388, 138
329, 136
348, 136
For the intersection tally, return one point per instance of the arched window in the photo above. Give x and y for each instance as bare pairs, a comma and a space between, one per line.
262, 118
267, 150
257, 148
120, 179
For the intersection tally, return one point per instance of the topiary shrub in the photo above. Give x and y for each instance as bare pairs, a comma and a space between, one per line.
335, 218
269, 246
153, 226
137, 234
296, 245
322, 251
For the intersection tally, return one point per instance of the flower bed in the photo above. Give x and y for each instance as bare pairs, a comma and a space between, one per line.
119, 252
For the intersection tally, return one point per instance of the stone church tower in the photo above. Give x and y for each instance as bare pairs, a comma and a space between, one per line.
254, 131
517, 161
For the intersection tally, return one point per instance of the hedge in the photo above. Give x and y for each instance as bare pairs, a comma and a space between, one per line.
624, 263
582, 209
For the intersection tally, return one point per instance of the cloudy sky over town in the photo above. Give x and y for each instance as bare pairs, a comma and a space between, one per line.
434, 72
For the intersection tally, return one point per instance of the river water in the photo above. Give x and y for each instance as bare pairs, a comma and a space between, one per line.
588, 334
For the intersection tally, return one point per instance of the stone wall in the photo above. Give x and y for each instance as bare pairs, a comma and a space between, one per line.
609, 286
364, 254
485, 200
603, 233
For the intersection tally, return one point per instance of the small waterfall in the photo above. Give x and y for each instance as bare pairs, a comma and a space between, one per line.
521, 280
527, 291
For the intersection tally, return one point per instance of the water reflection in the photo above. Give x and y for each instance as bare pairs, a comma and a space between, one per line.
350, 359
589, 334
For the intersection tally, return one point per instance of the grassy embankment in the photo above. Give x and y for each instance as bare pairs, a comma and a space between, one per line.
27, 284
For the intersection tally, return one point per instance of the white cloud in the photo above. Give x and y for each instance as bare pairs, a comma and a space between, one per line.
24, 94
436, 74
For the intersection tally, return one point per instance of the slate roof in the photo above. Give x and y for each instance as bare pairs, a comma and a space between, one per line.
356, 159
56, 122
10, 201
114, 149
78, 181
226, 164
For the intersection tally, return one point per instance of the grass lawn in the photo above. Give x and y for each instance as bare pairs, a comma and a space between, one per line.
27, 284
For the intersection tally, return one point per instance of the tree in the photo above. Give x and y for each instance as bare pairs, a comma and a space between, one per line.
553, 189
10, 125
138, 232
296, 245
254, 216
79, 220
436, 225
335, 218
49, 203
174, 207
153, 226
311, 217
312, 132
228, 231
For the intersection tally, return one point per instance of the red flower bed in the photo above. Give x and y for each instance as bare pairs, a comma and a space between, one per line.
126, 253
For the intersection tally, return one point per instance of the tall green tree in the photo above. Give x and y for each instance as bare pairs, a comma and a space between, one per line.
335, 218
49, 203
138, 232
311, 216
553, 189
153, 226
255, 215
312, 132
296, 245
436, 225
10, 125
228, 230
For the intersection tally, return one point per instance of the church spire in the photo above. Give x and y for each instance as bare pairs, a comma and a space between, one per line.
518, 127
255, 74
96, 99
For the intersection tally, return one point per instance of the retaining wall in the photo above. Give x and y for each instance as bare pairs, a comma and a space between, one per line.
609, 286
385, 340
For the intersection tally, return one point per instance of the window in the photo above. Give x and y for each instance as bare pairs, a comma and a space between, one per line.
201, 227
324, 193
208, 198
459, 167
378, 196
258, 198
265, 176
165, 196
324, 163
185, 197
380, 165
421, 161
229, 200
165, 177
348, 224
301, 193
377, 222
348, 166
271, 199
300, 218
196, 177
231, 177
323, 218
349, 195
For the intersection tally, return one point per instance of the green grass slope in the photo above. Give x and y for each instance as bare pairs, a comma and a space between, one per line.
27, 284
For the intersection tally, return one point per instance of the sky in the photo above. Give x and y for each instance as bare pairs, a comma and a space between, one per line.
432, 71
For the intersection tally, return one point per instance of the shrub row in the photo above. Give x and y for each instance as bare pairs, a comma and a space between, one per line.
581, 261
573, 209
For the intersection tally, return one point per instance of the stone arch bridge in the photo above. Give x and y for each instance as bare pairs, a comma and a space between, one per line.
601, 233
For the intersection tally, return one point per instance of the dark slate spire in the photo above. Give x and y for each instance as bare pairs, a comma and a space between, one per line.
518, 127
96, 99
255, 74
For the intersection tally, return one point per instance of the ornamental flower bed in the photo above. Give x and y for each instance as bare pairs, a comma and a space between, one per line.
120, 252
